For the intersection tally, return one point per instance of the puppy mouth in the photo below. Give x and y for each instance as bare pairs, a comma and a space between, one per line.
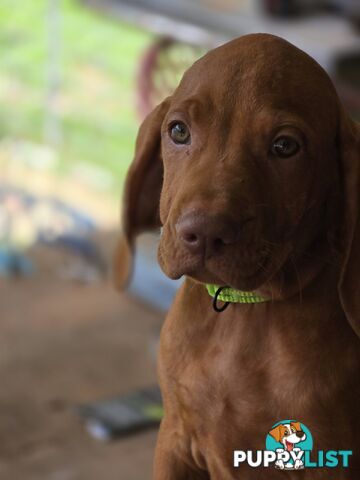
246, 277
225, 269
289, 446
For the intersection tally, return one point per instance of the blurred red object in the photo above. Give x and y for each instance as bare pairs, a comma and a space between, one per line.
161, 69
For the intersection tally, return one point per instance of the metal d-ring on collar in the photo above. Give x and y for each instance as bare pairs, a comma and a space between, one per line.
215, 305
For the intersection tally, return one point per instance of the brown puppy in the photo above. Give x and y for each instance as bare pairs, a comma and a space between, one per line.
252, 168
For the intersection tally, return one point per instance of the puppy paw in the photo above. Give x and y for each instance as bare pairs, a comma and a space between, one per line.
280, 464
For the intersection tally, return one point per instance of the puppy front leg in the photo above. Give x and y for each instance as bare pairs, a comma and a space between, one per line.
168, 465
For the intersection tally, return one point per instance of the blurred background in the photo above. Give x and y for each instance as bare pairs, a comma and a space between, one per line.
77, 359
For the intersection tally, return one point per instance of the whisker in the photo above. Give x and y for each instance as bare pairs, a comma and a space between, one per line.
263, 268
297, 277
273, 244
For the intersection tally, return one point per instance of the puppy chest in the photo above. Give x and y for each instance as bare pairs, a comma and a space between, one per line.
218, 383
240, 371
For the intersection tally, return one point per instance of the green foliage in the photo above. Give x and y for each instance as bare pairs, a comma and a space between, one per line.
96, 101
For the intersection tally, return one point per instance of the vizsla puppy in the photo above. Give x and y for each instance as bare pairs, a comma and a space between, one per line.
252, 170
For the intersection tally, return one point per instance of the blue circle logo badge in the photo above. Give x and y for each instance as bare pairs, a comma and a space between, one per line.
290, 440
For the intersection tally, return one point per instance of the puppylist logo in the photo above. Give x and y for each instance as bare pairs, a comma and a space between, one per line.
289, 445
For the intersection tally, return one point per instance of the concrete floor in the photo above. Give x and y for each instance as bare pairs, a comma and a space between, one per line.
62, 344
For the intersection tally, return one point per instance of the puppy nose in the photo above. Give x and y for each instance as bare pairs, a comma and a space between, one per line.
300, 433
201, 233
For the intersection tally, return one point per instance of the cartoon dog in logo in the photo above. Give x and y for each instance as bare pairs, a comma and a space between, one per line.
288, 434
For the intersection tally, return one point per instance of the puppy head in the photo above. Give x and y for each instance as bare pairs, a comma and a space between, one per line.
241, 166
288, 434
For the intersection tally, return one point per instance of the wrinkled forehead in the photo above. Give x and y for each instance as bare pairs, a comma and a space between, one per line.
257, 72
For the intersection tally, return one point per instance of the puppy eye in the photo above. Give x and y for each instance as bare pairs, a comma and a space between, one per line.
179, 133
285, 147
286, 434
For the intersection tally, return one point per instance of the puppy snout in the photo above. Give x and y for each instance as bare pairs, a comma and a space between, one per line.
205, 234
300, 433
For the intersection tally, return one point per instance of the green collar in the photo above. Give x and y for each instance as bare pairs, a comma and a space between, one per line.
230, 295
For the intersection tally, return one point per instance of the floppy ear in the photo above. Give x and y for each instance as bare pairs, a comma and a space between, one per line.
277, 432
140, 209
349, 284
296, 425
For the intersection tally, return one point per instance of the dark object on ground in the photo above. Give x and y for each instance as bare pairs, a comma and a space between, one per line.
122, 415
